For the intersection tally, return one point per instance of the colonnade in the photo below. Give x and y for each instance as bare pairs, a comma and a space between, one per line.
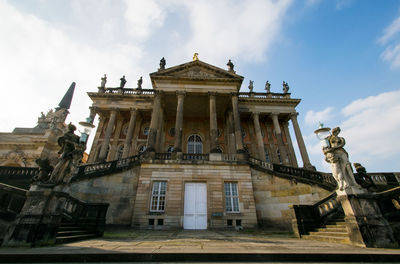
236, 136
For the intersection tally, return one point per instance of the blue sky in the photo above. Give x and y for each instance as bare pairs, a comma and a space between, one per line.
341, 57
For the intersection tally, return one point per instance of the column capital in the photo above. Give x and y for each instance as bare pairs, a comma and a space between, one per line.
114, 109
158, 92
275, 113
212, 94
234, 94
182, 93
255, 114
133, 109
294, 114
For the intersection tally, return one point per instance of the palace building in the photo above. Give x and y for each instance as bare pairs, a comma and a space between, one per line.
195, 152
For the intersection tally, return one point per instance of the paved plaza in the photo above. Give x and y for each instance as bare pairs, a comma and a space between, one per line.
184, 245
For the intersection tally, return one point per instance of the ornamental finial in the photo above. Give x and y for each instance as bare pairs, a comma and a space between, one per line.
195, 56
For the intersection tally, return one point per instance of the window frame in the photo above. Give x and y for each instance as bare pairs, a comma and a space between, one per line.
158, 185
231, 197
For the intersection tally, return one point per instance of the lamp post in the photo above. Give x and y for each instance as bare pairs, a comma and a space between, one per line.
323, 134
86, 129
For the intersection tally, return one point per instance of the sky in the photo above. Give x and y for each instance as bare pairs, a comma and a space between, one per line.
341, 57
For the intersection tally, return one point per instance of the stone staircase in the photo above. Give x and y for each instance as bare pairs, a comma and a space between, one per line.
69, 232
335, 231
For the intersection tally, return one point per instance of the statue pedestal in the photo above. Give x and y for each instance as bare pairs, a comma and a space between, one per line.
365, 223
39, 219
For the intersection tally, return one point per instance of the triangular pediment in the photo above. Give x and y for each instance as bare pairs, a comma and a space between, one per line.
196, 70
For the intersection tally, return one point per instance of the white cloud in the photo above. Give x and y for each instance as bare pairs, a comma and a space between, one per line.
233, 29
390, 31
39, 61
342, 4
391, 53
371, 126
313, 118
142, 17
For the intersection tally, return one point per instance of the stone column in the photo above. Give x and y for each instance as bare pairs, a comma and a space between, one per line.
290, 145
178, 122
231, 130
259, 137
160, 128
155, 118
129, 134
213, 124
300, 141
236, 118
106, 141
278, 133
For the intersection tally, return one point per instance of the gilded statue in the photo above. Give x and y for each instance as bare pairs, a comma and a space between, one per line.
196, 56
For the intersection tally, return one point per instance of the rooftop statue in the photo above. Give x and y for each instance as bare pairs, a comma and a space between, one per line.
103, 81
139, 83
285, 87
337, 156
268, 87
162, 64
196, 56
230, 66
251, 86
123, 82
70, 151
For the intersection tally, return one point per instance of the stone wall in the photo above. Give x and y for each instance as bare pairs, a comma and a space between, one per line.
273, 195
176, 175
119, 190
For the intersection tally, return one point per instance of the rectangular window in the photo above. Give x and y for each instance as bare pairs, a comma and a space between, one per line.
231, 197
157, 203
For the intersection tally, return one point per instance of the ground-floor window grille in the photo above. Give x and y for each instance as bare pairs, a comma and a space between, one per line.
231, 197
157, 203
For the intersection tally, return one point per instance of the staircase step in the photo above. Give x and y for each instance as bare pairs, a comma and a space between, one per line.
334, 234
69, 239
336, 225
327, 239
65, 228
71, 233
332, 229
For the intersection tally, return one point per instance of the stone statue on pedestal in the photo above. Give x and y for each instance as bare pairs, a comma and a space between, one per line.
123, 82
251, 86
103, 81
139, 83
230, 66
162, 64
337, 156
70, 151
285, 87
268, 87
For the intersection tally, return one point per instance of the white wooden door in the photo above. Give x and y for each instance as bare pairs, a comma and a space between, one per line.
195, 209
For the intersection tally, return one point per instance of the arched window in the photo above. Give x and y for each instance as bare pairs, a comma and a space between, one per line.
120, 150
195, 144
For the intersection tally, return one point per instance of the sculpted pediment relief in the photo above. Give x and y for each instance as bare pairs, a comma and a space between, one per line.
196, 70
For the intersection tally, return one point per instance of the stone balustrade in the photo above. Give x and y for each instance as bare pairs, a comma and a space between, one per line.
264, 95
129, 91
188, 156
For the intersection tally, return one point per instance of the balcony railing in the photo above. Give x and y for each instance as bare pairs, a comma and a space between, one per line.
308, 217
264, 95
12, 200
128, 91
188, 156
163, 156
90, 216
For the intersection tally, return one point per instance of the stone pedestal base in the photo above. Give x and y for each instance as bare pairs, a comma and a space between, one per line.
39, 219
364, 220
